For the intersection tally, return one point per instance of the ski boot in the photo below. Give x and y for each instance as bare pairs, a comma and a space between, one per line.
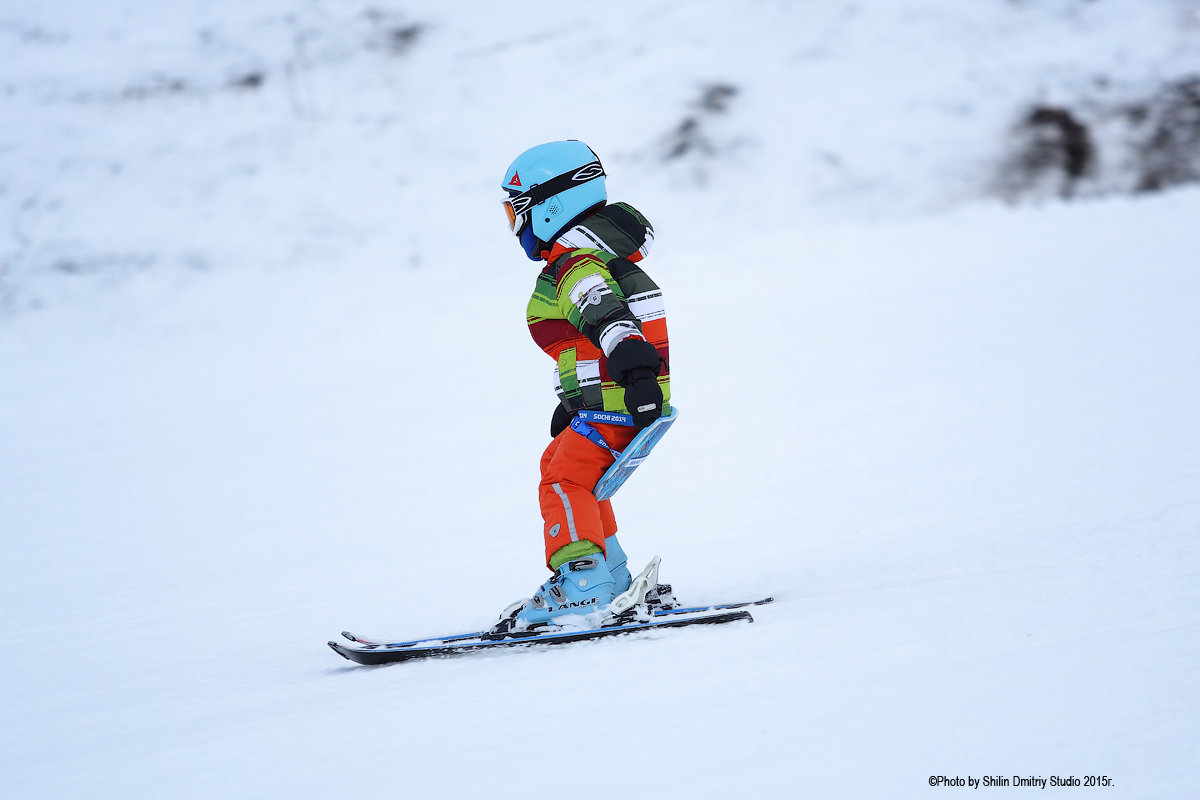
618, 564
579, 587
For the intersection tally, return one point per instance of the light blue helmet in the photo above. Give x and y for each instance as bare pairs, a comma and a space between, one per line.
550, 185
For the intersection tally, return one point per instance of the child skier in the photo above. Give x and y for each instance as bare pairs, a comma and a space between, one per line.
600, 317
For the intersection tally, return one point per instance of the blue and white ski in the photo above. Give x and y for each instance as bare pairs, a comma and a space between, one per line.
464, 637
374, 653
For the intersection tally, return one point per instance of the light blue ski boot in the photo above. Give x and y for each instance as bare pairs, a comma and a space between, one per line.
618, 564
581, 586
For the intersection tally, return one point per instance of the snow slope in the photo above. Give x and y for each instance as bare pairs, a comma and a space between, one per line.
958, 441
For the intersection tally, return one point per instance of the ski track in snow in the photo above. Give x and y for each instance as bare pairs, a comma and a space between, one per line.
958, 442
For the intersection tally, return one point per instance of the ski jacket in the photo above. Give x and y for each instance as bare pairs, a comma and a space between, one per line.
591, 295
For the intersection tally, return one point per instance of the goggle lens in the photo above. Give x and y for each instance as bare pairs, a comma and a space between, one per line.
515, 221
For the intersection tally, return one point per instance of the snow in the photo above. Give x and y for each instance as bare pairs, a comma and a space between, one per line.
957, 440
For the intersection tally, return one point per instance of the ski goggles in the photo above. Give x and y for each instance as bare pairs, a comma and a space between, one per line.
516, 219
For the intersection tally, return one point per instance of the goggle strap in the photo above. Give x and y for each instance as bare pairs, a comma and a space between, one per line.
556, 185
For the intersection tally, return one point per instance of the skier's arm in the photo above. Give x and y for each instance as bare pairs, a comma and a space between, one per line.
590, 299
588, 296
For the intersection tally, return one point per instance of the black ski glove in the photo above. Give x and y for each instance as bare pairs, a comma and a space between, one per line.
635, 364
643, 398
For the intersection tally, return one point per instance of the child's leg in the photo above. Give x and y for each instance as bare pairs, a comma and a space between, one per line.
573, 517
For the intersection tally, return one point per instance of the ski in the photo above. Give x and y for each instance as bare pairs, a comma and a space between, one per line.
717, 606
372, 653
462, 637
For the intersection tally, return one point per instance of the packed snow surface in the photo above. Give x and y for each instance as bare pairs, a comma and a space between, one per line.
265, 377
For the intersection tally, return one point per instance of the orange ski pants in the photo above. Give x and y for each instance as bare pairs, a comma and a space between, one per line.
571, 466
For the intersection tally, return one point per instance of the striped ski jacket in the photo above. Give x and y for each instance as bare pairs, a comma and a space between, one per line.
591, 295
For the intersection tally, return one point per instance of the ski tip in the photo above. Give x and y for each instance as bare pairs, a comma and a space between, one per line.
338, 649
349, 635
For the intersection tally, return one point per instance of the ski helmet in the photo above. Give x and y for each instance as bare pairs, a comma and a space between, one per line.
549, 186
